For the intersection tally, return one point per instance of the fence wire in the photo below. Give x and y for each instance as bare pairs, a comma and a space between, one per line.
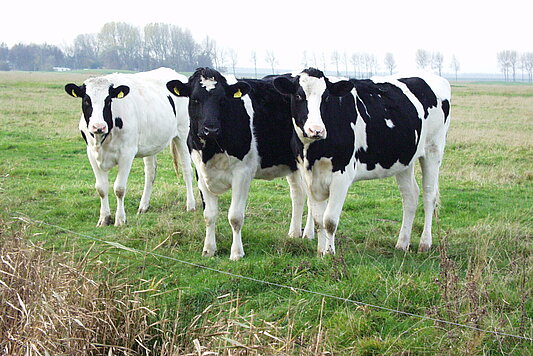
273, 284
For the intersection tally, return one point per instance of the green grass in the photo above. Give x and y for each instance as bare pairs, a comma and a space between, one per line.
478, 272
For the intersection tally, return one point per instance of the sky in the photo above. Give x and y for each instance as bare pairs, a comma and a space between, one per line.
471, 30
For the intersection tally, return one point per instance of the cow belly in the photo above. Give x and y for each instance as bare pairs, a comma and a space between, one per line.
273, 172
362, 173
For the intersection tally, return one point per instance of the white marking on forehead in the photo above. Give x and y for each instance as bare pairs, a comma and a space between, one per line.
208, 83
389, 123
312, 85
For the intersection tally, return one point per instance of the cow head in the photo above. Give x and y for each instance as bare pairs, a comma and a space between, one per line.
96, 95
307, 90
208, 93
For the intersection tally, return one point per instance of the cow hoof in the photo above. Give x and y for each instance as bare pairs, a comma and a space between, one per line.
191, 206
105, 221
120, 222
326, 253
142, 209
402, 247
424, 247
295, 234
206, 253
309, 235
236, 257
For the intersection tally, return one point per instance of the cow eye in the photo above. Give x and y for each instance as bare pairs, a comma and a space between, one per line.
298, 97
195, 101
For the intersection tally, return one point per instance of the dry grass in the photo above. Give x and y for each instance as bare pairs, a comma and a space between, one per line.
50, 304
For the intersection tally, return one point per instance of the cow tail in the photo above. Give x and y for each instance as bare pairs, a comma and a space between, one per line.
175, 157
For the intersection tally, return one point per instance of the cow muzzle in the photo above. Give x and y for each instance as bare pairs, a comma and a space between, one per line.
316, 132
98, 128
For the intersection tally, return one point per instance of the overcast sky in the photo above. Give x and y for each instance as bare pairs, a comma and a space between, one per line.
472, 30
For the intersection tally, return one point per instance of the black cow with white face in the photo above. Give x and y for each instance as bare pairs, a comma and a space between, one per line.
239, 131
377, 130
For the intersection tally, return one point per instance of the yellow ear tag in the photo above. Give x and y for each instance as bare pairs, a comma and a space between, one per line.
237, 94
74, 94
176, 91
120, 95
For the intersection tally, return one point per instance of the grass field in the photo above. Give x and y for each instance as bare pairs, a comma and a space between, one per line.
478, 273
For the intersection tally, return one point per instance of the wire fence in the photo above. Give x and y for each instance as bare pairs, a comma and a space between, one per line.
272, 284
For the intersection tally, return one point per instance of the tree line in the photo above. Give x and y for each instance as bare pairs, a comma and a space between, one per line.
118, 45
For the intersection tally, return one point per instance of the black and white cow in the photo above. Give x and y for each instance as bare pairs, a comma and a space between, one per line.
126, 116
377, 130
239, 131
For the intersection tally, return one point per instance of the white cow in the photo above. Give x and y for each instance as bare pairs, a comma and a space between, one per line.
126, 116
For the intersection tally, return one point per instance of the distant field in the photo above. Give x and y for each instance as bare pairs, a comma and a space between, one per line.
478, 273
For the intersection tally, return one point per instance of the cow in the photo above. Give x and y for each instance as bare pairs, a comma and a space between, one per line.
126, 116
351, 130
240, 130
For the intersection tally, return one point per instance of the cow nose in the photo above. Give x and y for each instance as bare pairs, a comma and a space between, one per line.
98, 128
316, 132
210, 132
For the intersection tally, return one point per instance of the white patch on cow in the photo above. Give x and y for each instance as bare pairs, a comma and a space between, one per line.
208, 83
412, 98
389, 123
313, 88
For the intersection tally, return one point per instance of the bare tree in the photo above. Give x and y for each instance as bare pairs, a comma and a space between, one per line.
271, 59
527, 64
305, 59
423, 58
345, 61
437, 59
455, 66
232, 59
324, 62
254, 61
335, 59
356, 61
390, 63
507, 62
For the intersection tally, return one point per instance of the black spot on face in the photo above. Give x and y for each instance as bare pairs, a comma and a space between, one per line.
118, 122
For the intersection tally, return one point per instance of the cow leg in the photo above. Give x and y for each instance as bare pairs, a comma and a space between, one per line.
102, 188
430, 182
150, 170
409, 190
337, 195
119, 187
179, 146
309, 230
297, 200
317, 210
210, 217
239, 195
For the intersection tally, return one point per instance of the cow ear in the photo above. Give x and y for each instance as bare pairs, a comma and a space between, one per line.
285, 86
119, 92
238, 90
340, 88
75, 91
178, 88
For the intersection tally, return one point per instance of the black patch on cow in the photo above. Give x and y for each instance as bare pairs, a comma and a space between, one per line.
84, 137
338, 113
446, 109
118, 122
87, 108
272, 124
386, 145
172, 104
422, 91
108, 116
313, 72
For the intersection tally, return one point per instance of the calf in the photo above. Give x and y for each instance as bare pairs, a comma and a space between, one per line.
239, 131
377, 130
126, 116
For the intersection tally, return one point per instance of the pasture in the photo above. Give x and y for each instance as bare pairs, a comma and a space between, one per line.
478, 272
